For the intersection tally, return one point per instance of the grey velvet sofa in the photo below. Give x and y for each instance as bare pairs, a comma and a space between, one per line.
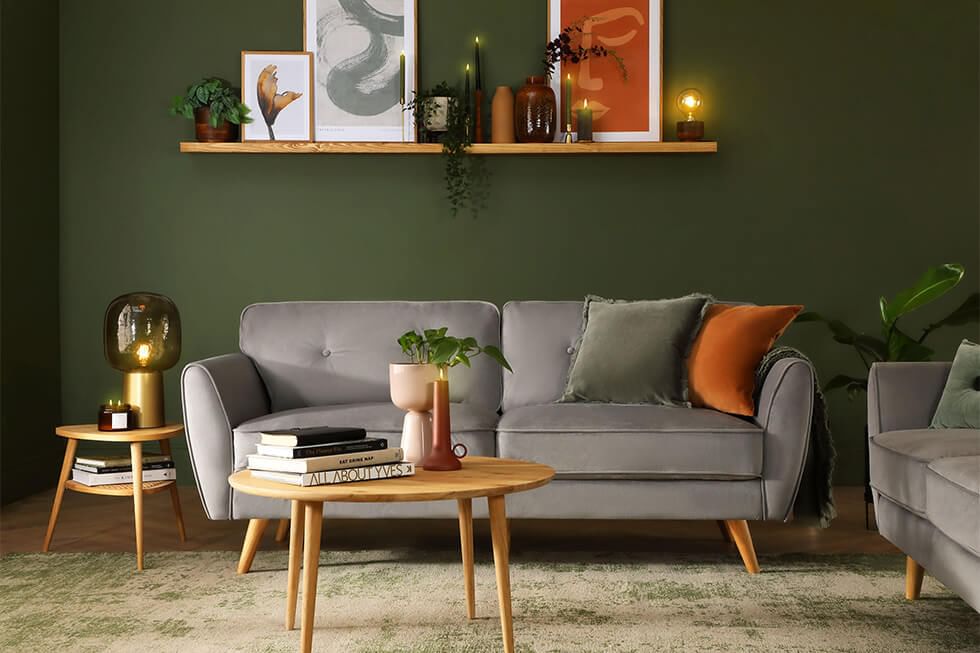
925, 482
325, 363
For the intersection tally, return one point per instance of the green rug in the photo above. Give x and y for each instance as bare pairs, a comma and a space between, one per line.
381, 601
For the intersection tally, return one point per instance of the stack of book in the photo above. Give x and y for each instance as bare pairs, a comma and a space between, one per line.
324, 456
110, 470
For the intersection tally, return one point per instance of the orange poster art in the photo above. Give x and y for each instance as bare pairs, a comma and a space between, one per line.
631, 29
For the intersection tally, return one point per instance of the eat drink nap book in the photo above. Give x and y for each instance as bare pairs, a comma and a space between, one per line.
311, 451
324, 463
375, 472
306, 436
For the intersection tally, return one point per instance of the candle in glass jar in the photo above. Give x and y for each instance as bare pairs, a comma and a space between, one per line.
115, 416
585, 122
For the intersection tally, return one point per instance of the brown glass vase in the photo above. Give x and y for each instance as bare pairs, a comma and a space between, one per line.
205, 133
443, 457
535, 112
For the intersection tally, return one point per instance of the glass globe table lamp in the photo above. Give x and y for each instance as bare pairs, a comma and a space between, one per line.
689, 102
142, 339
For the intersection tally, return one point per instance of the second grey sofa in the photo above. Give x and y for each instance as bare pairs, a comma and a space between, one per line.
325, 363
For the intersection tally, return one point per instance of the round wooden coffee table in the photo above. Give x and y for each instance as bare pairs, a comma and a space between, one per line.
492, 478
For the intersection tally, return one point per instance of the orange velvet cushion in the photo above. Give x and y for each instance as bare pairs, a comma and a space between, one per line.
727, 351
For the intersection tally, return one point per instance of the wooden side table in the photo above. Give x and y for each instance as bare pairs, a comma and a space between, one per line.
137, 489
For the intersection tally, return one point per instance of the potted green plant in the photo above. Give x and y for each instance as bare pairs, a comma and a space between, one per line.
440, 116
215, 107
894, 344
414, 385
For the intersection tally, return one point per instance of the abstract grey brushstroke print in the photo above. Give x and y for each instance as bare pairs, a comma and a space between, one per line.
358, 43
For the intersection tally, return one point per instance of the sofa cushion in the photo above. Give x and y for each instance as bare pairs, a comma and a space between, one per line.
320, 353
959, 407
645, 441
471, 424
899, 460
953, 499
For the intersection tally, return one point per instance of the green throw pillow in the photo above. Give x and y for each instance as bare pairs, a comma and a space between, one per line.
959, 407
634, 352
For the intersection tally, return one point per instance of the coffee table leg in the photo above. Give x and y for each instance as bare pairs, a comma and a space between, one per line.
174, 496
501, 553
136, 458
295, 557
466, 545
59, 494
311, 560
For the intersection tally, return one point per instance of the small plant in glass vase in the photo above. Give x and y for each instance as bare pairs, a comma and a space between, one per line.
416, 384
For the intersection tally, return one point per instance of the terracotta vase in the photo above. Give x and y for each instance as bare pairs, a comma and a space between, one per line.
205, 133
411, 390
443, 457
502, 116
536, 112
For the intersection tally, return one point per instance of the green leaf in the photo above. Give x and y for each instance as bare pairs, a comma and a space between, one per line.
903, 348
851, 384
965, 313
494, 353
445, 352
809, 316
935, 283
464, 359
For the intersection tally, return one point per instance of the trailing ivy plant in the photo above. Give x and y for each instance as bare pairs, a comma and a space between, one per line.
217, 95
894, 344
465, 176
435, 346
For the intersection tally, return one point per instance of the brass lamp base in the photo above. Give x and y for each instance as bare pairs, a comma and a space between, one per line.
144, 392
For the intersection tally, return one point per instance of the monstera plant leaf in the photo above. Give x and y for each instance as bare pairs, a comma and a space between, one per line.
968, 311
935, 283
845, 335
902, 347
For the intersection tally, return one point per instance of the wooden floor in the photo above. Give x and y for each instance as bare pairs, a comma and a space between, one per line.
97, 523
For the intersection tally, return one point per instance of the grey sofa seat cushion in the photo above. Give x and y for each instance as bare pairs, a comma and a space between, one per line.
632, 441
899, 460
473, 425
953, 499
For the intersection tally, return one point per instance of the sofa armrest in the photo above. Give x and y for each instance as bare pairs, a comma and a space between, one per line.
904, 395
785, 412
217, 395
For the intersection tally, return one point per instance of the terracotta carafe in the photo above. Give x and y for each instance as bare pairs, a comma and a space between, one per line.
443, 457
502, 115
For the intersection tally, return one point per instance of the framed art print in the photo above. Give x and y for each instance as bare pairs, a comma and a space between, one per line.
623, 109
277, 87
357, 47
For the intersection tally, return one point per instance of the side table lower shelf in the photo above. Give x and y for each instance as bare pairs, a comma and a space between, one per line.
118, 489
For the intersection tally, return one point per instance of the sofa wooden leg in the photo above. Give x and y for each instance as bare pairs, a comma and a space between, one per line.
253, 535
913, 578
281, 530
739, 530
723, 527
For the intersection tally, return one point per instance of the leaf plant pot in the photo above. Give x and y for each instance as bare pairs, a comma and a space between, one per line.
205, 133
411, 390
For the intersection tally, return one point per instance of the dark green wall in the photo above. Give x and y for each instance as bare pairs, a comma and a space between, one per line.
30, 368
848, 163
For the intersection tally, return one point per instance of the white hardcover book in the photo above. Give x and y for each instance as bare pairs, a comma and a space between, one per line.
331, 477
324, 463
119, 461
89, 478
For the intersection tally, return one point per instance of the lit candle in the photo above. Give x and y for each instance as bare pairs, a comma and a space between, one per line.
585, 122
401, 78
479, 79
568, 102
466, 90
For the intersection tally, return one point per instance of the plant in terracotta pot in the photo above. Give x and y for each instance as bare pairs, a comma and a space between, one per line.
424, 383
215, 107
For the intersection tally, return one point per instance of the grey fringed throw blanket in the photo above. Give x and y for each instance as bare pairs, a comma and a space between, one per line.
815, 499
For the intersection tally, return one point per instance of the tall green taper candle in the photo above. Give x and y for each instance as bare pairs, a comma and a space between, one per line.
568, 100
401, 78
476, 55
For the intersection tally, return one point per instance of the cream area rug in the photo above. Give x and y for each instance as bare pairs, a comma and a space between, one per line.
407, 600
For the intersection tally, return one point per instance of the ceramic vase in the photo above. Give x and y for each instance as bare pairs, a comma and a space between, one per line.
536, 112
443, 456
502, 116
411, 390
205, 133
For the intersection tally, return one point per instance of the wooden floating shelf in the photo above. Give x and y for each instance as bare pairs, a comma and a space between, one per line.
297, 147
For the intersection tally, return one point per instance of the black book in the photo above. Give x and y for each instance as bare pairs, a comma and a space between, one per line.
314, 450
167, 464
308, 436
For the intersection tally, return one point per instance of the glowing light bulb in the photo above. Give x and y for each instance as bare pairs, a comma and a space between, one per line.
689, 102
143, 352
